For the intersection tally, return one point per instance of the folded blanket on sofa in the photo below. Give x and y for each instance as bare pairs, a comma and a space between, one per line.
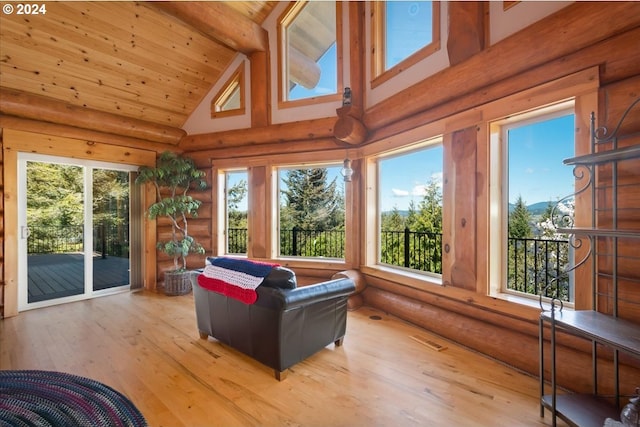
235, 278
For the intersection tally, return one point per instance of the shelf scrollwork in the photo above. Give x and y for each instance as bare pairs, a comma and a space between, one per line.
601, 135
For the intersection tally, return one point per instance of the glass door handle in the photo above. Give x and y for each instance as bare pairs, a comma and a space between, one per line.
25, 232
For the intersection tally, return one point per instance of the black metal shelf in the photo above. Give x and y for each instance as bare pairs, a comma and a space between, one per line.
581, 410
601, 232
626, 153
611, 331
590, 410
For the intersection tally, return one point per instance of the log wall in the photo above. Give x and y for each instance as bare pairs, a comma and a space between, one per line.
449, 103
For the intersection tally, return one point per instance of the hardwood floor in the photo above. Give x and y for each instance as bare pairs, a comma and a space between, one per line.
146, 345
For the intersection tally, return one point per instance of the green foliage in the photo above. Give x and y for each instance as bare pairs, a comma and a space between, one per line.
311, 203
235, 195
420, 230
520, 221
55, 195
175, 175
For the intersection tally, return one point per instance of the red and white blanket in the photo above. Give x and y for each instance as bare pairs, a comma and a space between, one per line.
235, 278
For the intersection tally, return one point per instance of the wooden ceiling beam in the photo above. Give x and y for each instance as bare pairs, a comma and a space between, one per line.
292, 131
225, 25
22, 104
219, 22
61, 130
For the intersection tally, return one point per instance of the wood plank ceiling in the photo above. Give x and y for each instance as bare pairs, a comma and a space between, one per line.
131, 59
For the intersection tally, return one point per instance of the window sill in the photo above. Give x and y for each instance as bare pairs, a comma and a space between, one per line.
528, 302
406, 277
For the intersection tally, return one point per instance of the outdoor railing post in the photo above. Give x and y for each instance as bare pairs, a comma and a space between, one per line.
407, 252
294, 243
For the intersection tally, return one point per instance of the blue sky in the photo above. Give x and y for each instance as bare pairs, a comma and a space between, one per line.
536, 152
403, 178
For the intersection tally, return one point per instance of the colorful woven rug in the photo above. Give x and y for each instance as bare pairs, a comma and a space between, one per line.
44, 398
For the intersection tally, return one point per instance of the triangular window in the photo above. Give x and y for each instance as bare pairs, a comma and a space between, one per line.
229, 101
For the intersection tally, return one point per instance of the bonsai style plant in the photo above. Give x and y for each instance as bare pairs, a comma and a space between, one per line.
173, 177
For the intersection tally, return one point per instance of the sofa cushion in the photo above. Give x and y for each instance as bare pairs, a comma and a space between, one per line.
280, 277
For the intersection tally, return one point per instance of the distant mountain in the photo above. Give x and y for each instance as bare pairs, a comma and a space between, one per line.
535, 209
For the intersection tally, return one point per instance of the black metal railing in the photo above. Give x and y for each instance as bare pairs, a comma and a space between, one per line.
418, 250
108, 240
237, 240
536, 267
312, 243
50, 240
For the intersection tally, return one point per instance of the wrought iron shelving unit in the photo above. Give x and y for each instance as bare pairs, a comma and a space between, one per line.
601, 329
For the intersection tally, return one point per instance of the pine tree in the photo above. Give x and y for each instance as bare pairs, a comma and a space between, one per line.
520, 221
235, 195
310, 202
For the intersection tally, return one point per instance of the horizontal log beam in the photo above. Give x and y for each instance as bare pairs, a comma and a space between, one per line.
25, 105
293, 131
349, 127
219, 22
17, 123
493, 65
270, 149
620, 64
302, 69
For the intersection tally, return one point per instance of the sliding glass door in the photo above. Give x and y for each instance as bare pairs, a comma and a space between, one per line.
74, 233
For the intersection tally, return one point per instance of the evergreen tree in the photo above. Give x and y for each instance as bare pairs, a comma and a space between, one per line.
430, 213
310, 202
55, 195
520, 221
235, 195
392, 221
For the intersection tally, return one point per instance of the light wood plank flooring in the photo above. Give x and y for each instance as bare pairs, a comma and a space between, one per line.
146, 345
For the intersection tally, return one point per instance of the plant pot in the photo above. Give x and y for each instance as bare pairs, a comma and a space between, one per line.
177, 283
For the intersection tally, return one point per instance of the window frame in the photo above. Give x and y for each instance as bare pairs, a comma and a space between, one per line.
225, 201
277, 247
285, 19
379, 74
499, 197
236, 81
374, 259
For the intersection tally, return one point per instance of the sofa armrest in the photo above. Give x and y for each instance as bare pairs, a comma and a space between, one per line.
287, 299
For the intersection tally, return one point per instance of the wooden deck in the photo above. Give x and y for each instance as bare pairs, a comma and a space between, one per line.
60, 275
146, 345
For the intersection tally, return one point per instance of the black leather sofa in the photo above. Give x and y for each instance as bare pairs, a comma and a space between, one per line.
284, 326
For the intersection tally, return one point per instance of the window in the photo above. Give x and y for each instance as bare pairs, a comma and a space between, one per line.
404, 32
410, 209
236, 192
311, 211
532, 149
229, 100
309, 51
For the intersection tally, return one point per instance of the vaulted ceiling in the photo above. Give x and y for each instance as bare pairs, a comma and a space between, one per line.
151, 61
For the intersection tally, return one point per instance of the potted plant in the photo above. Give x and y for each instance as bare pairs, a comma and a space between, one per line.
173, 177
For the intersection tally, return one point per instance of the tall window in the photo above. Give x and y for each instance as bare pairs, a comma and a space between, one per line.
312, 212
410, 209
537, 185
404, 32
237, 193
309, 50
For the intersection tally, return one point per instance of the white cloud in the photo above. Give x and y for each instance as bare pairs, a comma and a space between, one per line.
529, 170
399, 193
419, 190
